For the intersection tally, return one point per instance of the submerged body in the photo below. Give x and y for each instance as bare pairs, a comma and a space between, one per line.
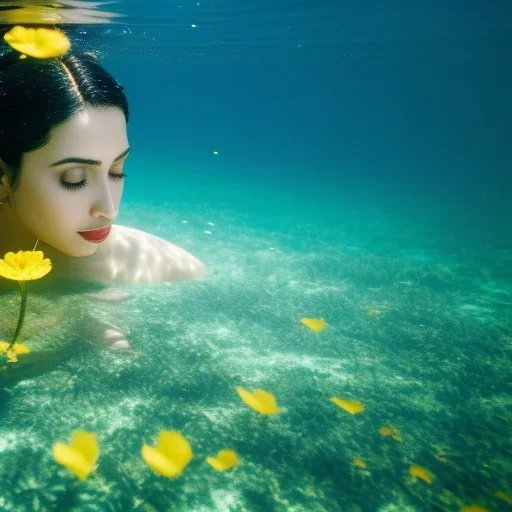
132, 256
127, 256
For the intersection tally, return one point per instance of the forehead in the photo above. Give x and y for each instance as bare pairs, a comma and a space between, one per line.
93, 133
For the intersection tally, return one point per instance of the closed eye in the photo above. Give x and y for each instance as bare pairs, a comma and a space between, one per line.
79, 184
118, 175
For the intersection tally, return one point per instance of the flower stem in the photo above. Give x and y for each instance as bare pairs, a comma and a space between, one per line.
23, 308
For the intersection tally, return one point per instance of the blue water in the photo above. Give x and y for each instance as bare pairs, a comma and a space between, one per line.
363, 164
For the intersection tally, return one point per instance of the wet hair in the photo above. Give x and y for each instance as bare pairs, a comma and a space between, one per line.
36, 95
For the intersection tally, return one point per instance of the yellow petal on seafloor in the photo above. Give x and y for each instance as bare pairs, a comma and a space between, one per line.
41, 43
351, 406
174, 446
315, 324
24, 265
71, 459
159, 463
419, 472
261, 401
80, 456
374, 312
225, 459
86, 443
359, 463
389, 432
171, 455
504, 496
473, 508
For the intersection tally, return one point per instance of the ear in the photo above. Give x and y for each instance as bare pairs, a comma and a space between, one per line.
5, 181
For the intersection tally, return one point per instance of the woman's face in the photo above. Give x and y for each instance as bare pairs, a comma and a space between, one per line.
74, 183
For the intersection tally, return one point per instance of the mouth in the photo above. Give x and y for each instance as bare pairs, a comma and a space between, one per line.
95, 236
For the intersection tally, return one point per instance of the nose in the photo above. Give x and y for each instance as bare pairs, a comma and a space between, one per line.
104, 204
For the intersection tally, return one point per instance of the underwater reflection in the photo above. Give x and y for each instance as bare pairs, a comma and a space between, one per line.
66, 11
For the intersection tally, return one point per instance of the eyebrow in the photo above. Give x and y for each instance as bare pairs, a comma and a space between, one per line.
87, 161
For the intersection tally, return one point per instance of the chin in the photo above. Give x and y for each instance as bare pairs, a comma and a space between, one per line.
87, 249
90, 250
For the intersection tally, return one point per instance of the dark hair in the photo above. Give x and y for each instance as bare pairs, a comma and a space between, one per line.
38, 94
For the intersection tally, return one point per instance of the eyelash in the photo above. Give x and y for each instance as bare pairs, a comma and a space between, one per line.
82, 183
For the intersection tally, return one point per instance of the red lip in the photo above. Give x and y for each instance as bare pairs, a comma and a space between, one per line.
96, 236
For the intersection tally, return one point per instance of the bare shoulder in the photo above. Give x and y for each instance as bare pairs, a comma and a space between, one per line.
132, 256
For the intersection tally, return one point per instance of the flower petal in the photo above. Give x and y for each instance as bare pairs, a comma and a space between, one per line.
225, 460
159, 463
7, 270
420, 472
315, 324
175, 447
11, 356
351, 406
20, 349
261, 401
86, 443
72, 459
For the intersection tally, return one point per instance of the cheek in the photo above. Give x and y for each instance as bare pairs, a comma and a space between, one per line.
49, 208
117, 192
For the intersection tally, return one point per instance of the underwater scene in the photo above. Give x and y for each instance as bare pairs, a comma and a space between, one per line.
308, 307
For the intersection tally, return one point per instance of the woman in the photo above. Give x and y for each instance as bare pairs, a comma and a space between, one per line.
63, 146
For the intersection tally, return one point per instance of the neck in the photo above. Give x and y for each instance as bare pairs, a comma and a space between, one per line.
14, 237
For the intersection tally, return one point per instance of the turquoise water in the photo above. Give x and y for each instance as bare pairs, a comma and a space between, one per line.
366, 169
433, 365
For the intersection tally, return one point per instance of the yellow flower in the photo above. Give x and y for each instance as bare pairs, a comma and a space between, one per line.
315, 324
261, 401
41, 43
17, 349
419, 472
351, 406
80, 456
171, 455
24, 265
225, 459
